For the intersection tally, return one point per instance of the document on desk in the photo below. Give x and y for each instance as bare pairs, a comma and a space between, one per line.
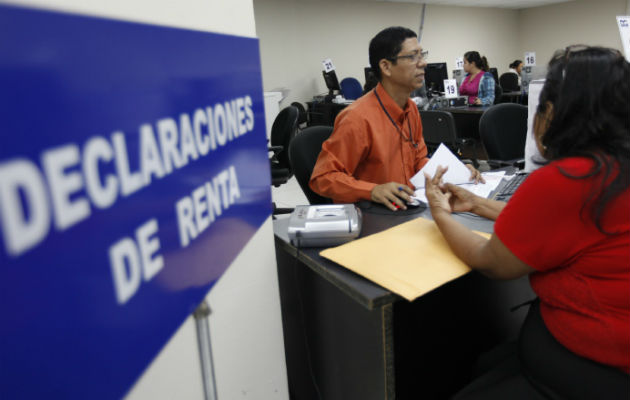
457, 174
480, 189
410, 259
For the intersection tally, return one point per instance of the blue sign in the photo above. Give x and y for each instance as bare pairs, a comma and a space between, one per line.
133, 170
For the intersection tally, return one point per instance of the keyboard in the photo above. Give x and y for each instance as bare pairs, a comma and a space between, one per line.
506, 191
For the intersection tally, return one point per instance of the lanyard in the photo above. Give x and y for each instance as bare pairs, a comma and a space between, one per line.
394, 123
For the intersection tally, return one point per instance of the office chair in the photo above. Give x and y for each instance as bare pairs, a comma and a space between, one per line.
509, 82
283, 131
498, 93
351, 88
303, 152
302, 116
439, 127
503, 129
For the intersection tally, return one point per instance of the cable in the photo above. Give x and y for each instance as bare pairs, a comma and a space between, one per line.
297, 287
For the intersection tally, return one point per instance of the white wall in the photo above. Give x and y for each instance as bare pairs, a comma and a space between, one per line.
245, 324
296, 35
546, 29
235, 17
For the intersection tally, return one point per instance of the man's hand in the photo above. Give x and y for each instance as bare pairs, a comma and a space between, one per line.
474, 174
393, 195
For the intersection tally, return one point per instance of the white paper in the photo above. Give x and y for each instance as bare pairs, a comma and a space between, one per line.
457, 172
480, 189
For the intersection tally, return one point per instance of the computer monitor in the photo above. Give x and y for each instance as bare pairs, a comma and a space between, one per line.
530, 73
332, 83
370, 79
434, 76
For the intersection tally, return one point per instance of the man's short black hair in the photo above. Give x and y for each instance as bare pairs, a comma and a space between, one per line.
387, 44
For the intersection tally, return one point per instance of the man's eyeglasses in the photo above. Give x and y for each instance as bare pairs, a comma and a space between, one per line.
415, 57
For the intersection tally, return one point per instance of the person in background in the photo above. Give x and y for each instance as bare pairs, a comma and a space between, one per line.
516, 68
478, 83
568, 228
377, 144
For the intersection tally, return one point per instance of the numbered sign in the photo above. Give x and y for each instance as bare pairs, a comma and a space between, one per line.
450, 88
459, 63
624, 31
530, 58
328, 65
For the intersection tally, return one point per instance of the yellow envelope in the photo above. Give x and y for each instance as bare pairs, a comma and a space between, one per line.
409, 259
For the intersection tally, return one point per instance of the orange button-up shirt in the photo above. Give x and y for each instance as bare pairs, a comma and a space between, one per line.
365, 149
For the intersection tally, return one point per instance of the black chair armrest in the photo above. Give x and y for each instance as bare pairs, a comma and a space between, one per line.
516, 162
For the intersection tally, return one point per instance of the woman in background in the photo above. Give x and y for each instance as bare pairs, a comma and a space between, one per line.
568, 228
516, 67
478, 83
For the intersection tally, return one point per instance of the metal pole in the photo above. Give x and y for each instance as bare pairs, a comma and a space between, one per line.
205, 350
424, 7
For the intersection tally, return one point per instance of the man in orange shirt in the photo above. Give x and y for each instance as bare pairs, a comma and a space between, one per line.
377, 144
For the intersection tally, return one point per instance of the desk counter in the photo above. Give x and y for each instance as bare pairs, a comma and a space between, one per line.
348, 338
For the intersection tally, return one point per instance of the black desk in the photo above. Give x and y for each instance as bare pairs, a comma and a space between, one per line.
512, 97
357, 340
323, 113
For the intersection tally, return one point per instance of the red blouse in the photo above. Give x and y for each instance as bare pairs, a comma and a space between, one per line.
583, 275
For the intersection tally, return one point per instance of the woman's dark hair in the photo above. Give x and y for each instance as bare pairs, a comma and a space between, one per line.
589, 88
480, 62
387, 44
515, 64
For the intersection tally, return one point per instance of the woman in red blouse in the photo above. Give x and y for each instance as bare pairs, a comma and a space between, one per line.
568, 228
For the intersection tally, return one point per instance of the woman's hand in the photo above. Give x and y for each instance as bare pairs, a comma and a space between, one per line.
439, 201
461, 200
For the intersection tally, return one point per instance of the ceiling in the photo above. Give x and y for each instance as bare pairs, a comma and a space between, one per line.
513, 4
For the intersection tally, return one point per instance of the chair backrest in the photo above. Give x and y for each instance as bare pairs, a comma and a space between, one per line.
438, 127
303, 152
351, 88
498, 93
509, 82
495, 74
282, 132
302, 116
503, 129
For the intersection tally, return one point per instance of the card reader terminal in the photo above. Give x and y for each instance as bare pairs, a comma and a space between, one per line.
324, 225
